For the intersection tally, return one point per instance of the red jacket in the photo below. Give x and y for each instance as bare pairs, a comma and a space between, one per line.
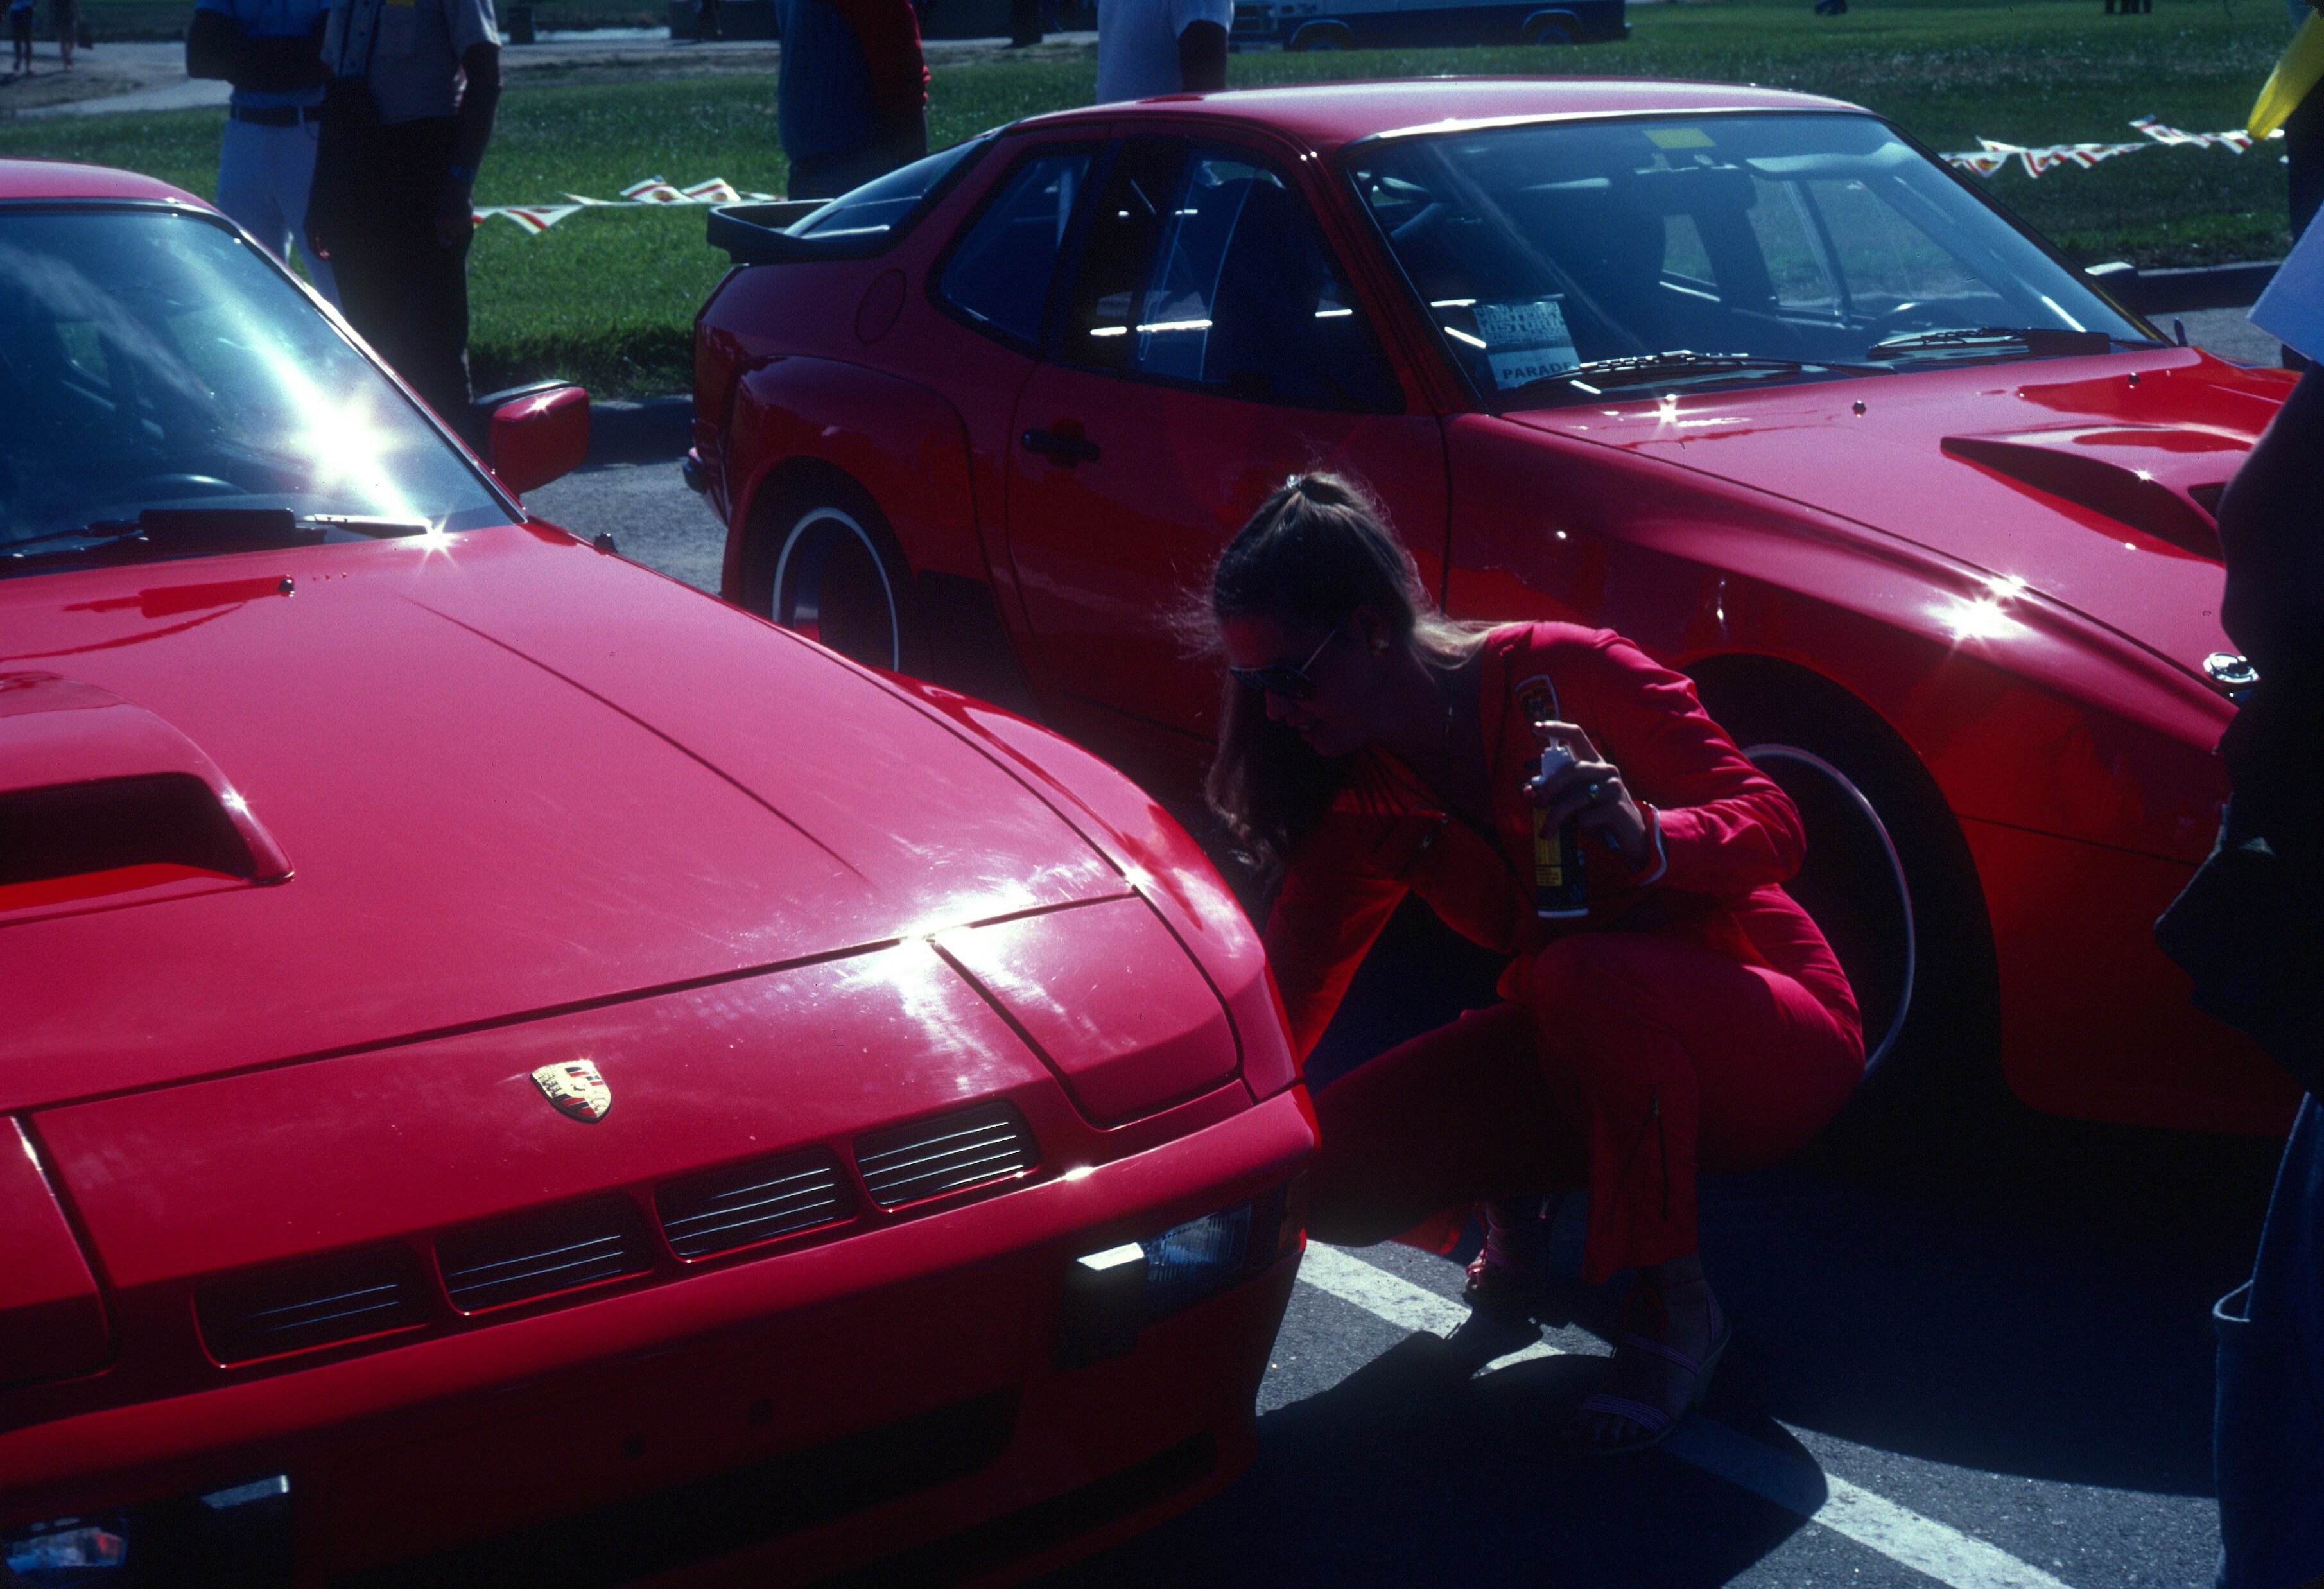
1726, 836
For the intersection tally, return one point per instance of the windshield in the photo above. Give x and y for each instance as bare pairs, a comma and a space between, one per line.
152, 362
1790, 246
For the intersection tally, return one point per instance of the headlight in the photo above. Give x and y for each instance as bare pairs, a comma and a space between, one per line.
239, 1535
70, 1550
1188, 1262
1109, 1294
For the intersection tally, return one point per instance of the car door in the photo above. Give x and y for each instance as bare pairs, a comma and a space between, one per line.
1207, 346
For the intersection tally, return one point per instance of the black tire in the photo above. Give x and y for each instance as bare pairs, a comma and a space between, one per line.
1554, 31
1322, 36
830, 570
1887, 877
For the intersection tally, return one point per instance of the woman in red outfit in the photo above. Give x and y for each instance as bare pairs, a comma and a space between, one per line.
1695, 1019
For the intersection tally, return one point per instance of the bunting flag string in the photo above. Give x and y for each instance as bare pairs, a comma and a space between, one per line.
533, 219
1992, 153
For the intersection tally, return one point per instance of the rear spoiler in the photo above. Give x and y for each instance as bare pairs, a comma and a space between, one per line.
760, 234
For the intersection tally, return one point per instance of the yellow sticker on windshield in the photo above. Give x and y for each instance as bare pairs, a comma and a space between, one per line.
1679, 138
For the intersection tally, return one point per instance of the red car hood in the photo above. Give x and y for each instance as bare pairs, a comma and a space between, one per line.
2091, 480
508, 774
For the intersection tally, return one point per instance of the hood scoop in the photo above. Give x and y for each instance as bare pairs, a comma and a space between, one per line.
104, 803
2157, 481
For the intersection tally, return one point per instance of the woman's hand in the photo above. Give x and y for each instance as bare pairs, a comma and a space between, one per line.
1591, 790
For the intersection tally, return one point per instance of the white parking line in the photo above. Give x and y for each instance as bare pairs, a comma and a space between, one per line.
1922, 1544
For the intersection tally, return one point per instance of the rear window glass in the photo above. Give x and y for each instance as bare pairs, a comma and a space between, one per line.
885, 206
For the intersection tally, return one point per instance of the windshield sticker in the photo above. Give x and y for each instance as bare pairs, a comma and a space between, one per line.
1679, 138
1525, 341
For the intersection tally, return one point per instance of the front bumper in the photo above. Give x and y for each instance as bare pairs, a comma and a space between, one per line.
931, 1342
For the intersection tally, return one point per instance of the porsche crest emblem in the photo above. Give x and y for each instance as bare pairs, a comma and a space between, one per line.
577, 1089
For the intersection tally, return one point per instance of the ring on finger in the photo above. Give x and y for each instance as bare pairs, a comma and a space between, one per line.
1595, 792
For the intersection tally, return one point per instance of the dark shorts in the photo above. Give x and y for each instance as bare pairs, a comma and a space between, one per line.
2268, 1453
64, 14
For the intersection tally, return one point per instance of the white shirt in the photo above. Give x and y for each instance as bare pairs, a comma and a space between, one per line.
1137, 44
412, 48
2291, 310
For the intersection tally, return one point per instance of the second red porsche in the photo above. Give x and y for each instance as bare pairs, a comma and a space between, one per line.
1747, 375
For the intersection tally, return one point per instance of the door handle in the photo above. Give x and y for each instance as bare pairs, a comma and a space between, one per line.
1065, 451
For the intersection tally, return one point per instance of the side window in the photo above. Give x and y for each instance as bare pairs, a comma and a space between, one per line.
1122, 232
1234, 289
999, 272
1790, 244
1684, 255
1886, 261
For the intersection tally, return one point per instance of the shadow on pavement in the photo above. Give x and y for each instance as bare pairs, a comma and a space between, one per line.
1389, 1477
1979, 1286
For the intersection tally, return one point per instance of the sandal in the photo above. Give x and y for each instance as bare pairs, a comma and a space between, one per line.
1511, 1274
1657, 1423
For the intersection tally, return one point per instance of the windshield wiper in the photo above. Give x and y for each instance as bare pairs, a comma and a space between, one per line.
164, 531
1679, 364
2040, 341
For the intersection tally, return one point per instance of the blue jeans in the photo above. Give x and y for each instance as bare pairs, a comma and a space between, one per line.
2268, 1436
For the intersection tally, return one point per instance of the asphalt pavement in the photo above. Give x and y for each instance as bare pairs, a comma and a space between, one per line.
648, 511
1973, 1350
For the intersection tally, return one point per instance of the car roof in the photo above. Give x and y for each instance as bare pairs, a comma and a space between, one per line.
1325, 116
60, 178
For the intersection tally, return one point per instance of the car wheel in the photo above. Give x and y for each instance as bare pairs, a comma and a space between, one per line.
1853, 883
836, 579
1888, 878
1549, 31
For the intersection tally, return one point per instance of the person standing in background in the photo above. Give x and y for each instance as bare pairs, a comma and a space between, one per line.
1149, 47
416, 85
2303, 143
270, 50
2249, 929
19, 29
852, 100
2289, 103
65, 16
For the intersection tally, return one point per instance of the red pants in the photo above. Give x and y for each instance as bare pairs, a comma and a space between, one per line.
1631, 1061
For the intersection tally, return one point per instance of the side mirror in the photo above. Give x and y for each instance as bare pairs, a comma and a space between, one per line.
537, 434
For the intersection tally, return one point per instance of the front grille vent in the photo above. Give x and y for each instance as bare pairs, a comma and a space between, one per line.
720, 1210
945, 1153
540, 1253
312, 1303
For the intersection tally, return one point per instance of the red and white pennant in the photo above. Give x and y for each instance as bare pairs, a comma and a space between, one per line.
533, 219
1992, 153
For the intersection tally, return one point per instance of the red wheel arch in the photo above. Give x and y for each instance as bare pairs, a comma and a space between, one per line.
868, 427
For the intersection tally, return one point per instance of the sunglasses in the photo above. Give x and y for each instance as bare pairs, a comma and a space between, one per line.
1281, 678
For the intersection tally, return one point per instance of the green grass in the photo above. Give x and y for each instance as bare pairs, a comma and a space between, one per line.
609, 299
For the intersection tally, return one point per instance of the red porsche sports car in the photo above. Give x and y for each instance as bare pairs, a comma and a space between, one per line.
515, 1072
1748, 377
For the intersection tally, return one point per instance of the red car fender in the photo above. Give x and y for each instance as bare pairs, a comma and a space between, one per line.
2084, 799
1154, 856
873, 427
1692, 568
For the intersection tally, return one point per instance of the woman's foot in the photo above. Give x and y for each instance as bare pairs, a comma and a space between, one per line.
1671, 1337
1511, 1273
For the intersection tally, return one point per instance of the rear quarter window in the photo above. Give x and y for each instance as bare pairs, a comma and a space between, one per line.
1000, 272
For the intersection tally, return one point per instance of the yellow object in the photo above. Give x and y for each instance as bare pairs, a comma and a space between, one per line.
2301, 67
